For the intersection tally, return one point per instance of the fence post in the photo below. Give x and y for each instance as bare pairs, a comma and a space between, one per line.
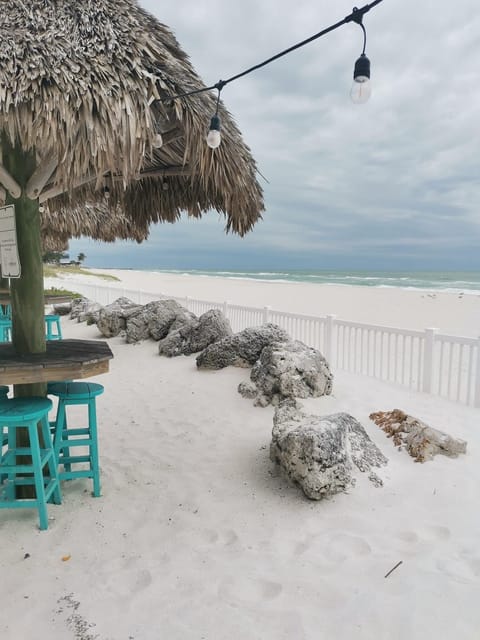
225, 308
187, 299
428, 360
476, 397
266, 314
328, 346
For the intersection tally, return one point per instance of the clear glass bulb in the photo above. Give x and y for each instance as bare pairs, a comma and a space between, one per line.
214, 138
361, 90
157, 141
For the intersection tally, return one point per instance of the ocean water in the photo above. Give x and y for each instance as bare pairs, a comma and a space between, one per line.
453, 281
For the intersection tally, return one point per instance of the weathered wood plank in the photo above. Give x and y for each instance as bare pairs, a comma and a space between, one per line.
63, 360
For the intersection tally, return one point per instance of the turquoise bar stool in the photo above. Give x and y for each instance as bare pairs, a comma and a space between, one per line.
66, 437
4, 433
5, 329
53, 330
6, 311
16, 413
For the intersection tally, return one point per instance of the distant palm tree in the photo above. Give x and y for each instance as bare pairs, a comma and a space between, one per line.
81, 257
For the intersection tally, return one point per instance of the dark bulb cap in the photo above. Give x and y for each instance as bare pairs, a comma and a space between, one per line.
362, 67
215, 123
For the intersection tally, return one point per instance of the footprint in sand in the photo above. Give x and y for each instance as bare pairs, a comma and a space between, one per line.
407, 536
302, 547
342, 546
333, 547
464, 570
143, 579
436, 532
227, 538
244, 591
427, 534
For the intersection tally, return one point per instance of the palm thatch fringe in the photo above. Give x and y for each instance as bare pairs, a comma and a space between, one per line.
85, 82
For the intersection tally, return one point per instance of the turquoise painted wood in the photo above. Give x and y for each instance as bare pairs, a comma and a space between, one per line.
66, 438
6, 311
53, 329
4, 434
5, 330
27, 413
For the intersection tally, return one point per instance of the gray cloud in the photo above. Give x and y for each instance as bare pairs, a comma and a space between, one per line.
390, 184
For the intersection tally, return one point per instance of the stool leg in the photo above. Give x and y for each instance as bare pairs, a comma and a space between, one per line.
52, 461
60, 426
92, 422
38, 475
12, 443
3, 476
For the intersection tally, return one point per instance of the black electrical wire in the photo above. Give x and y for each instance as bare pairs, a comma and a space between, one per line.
355, 16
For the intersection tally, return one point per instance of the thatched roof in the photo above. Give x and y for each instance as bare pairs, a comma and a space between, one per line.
83, 83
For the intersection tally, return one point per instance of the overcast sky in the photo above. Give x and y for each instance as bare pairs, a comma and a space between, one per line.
393, 184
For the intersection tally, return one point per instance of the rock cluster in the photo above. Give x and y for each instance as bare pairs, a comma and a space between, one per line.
177, 330
288, 369
321, 453
154, 320
241, 349
112, 319
195, 334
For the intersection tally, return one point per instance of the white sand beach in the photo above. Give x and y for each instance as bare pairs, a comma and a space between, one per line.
454, 313
197, 537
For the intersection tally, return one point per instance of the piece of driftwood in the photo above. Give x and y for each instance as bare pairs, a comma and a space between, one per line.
393, 569
421, 441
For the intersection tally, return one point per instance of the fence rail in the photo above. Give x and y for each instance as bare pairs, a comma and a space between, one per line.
429, 361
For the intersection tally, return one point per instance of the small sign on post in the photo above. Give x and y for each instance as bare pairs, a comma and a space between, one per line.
9, 260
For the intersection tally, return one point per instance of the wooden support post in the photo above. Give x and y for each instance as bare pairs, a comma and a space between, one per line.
40, 176
57, 191
28, 323
9, 183
28, 330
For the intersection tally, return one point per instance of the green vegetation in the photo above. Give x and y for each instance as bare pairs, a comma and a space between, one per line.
56, 271
53, 291
54, 257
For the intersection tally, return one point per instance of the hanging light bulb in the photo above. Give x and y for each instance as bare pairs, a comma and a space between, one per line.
361, 86
214, 138
106, 192
157, 141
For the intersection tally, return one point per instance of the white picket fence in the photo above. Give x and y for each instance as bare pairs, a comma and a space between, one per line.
428, 361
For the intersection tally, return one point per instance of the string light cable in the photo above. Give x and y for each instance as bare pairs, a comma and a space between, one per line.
361, 86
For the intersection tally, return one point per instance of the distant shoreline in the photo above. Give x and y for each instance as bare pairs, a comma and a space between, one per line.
466, 282
451, 312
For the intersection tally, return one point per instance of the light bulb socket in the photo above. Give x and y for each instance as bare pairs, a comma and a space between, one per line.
215, 123
362, 69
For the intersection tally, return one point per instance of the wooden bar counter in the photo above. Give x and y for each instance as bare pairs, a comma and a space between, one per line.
63, 360
5, 298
